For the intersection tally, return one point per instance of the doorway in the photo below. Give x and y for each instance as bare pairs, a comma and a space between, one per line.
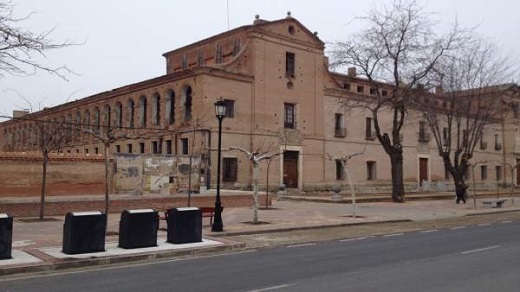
423, 170
290, 168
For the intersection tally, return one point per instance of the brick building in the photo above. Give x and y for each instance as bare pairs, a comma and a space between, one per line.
280, 97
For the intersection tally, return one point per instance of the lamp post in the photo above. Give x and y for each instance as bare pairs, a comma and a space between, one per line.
220, 112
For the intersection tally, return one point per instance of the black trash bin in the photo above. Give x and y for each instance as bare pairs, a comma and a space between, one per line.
184, 225
138, 228
6, 236
84, 232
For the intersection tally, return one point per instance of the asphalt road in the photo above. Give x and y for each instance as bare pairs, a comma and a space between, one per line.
483, 257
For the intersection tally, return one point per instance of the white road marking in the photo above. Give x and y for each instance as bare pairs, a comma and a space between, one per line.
301, 245
480, 249
458, 227
272, 288
484, 224
430, 231
505, 222
353, 239
392, 235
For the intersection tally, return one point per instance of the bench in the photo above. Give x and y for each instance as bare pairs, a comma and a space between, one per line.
496, 203
206, 212
209, 212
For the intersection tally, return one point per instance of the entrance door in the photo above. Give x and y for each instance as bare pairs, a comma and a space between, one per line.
290, 168
517, 172
423, 170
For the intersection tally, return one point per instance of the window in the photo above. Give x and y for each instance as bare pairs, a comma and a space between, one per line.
446, 173
445, 137
369, 135
384, 93
170, 107
118, 148
168, 146
131, 113
483, 172
340, 170
119, 114
156, 119
96, 150
187, 104
236, 47
141, 147
200, 57
360, 89
373, 91
129, 148
107, 116
184, 62
155, 148
464, 138
339, 127
218, 54
289, 122
230, 108
143, 106
85, 150
346, 86
371, 170
230, 166
423, 135
184, 146
483, 145
498, 171
498, 145
97, 119
289, 64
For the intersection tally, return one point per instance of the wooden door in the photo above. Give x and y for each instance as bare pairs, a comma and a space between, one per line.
517, 172
423, 170
290, 169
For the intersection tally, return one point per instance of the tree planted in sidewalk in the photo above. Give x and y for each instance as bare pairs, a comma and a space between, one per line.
471, 100
396, 52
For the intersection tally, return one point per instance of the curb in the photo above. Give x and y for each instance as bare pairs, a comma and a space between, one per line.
108, 260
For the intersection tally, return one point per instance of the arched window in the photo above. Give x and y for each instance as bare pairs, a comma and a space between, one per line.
142, 111
107, 116
119, 114
170, 107
131, 113
87, 119
97, 118
187, 104
156, 108
78, 125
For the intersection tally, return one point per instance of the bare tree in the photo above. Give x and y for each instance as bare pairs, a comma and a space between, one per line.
397, 51
49, 136
255, 156
20, 48
107, 135
471, 99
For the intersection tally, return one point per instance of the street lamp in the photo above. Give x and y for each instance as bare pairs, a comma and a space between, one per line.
220, 112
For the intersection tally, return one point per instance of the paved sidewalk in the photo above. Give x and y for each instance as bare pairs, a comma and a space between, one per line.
37, 245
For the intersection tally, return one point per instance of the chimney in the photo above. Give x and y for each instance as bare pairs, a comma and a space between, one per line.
352, 72
19, 114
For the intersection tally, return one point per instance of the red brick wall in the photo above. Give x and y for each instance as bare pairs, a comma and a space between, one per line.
119, 205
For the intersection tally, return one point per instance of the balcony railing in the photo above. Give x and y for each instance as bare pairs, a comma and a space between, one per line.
340, 132
423, 137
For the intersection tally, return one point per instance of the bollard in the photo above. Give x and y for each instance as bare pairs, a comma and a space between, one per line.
6, 236
138, 228
84, 232
184, 225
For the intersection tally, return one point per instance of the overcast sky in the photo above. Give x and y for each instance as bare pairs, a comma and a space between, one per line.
123, 40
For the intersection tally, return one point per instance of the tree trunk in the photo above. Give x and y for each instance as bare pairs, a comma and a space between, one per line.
106, 179
396, 160
256, 172
44, 185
